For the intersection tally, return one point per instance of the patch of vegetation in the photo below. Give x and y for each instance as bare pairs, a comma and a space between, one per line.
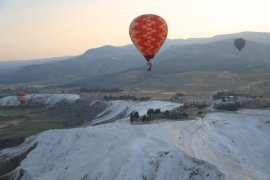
29, 120
134, 116
126, 97
228, 106
103, 90
13, 91
222, 94
10, 114
38, 125
153, 114
194, 105
177, 96
187, 111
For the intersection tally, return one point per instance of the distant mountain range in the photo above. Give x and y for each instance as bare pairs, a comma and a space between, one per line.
191, 62
9, 67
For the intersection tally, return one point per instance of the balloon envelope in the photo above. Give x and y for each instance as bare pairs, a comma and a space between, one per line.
148, 33
21, 97
239, 43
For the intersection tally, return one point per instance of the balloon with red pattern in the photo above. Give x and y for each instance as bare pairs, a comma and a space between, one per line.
21, 97
148, 33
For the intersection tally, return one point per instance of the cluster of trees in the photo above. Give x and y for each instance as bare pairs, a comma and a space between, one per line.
158, 114
228, 106
153, 111
148, 117
179, 115
150, 112
223, 94
66, 91
126, 97
103, 90
167, 114
194, 105
177, 96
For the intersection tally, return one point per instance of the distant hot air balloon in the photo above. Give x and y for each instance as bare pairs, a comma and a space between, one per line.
239, 43
21, 97
148, 33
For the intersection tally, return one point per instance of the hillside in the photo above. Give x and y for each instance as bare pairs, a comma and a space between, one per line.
179, 59
103, 60
209, 66
7, 68
48, 100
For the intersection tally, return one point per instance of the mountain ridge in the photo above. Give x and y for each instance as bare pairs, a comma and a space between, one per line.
110, 64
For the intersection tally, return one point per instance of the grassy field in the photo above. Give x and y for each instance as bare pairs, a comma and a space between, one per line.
37, 125
18, 123
9, 114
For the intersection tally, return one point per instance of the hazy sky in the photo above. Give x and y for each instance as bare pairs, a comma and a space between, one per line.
47, 28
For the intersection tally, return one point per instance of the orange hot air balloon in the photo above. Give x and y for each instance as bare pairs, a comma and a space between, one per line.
148, 33
21, 97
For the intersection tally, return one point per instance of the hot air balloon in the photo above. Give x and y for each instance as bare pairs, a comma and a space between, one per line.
148, 33
21, 97
239, 43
